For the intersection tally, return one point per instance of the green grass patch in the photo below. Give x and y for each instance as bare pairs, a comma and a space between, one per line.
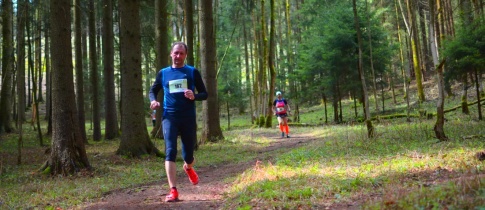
343, 165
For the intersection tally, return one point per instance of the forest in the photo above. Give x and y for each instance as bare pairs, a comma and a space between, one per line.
386, 103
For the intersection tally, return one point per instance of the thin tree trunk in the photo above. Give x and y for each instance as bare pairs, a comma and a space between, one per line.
38, 55
403, 73
271, 65
189, 29
371, 57
248, 72
29, 54
477, 88
48, 82
434, 37
79, 69
93, 61
413, 34
21, 18
368, 122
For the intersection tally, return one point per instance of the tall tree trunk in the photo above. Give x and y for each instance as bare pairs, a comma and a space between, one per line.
401, 57
21, 18
466, 16
93, 65
210, 108
257, 67
37, 70
368, 122
29, 53
415, 46
79, 69
111, 125
7, 68
68, 154
135, 141
434, 37
371, 60
189, 30
271, 65
48, 71
38, 51
248, 72
426, 63
162, 56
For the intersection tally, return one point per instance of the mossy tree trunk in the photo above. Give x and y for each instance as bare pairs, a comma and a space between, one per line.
415, 46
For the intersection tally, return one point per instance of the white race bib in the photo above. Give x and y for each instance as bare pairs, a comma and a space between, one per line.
280, 109
177, 86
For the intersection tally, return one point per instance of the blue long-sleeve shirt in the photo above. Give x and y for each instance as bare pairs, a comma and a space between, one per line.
174, 81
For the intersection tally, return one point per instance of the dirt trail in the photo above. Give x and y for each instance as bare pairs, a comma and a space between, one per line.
208, 194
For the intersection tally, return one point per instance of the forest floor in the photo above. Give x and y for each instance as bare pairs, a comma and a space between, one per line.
208, 194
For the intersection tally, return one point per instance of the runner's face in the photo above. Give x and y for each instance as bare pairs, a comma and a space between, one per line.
178, 55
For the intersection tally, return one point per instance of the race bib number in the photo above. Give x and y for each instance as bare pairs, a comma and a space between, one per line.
280, 109
177, 86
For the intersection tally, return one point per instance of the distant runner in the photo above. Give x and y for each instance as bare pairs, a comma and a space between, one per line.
281, 110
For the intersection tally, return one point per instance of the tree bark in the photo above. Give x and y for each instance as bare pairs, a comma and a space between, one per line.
21, 18
271, 65
48, 69
477, 88
7, 68
79, 68
189, 30
415, 46
68, 154
368, 122
93, 66
38, 50
210, 108
135, 141
111, 124
371, 60
433, 38
248, 72
162, 56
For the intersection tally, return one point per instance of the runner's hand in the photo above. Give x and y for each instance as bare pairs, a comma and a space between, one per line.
154, 105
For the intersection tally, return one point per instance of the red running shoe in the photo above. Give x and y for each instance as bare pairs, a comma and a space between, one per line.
173, 196
193, 177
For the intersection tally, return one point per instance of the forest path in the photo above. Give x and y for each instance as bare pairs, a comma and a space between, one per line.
208, 194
